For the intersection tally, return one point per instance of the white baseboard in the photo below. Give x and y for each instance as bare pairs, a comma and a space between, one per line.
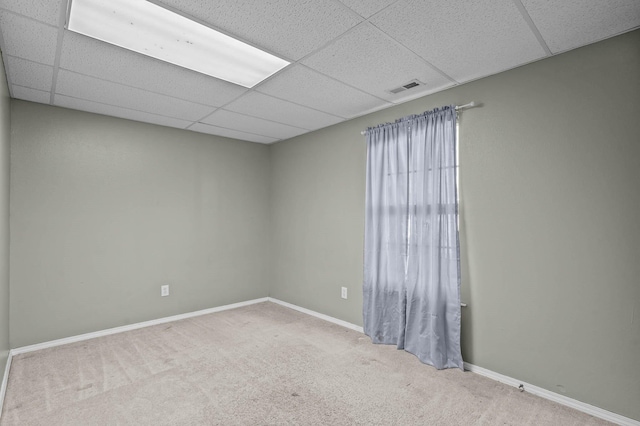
318, 315
552, 396
535, 390
5, 380
115, 330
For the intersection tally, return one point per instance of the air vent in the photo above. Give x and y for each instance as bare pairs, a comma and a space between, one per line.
409, 85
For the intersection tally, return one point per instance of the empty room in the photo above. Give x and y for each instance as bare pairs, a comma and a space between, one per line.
337, 212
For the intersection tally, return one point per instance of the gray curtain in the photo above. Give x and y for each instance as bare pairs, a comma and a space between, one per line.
412, 261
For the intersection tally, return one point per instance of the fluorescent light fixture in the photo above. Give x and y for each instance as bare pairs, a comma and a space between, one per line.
149, 29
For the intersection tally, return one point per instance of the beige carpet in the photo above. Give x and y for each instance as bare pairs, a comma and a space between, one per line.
258, 365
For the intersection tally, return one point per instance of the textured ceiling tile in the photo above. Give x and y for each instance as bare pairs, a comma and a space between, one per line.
263, 106
355, 59
289, 28
572, 23
93, 89
367, 8
219, 131
28, 39
466, 40
47, 11
102, 60
245, 123
82, 105
30, 74
306, 87
33, 95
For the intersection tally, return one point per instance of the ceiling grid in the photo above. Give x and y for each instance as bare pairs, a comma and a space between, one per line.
56, 64
345, 57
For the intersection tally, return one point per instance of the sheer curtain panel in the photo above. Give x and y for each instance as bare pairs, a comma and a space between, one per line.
412, 263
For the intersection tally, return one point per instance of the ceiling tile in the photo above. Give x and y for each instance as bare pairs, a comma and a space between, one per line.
263, 106
568, 24
245, 123
28, 39
292, 29
219, 131
306, 87
30, 74
33, 95
47, 11
102, 60
366, 8
347, 64
93, 89
355, 59
466, 40
82, 105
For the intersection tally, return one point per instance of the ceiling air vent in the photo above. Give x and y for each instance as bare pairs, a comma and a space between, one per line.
409, 85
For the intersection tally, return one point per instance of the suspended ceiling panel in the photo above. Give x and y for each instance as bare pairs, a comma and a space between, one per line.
366, 8
28, 39
289, 28
115, 111
249, 124
574, 23
355, 56
304, 86
32, 74
466, 40
94, 58
47, 11
32, 95
101, 91
345, 57
269, 108
221, 131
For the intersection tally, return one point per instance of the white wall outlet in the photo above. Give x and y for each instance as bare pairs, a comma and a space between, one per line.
343, 293
164, 290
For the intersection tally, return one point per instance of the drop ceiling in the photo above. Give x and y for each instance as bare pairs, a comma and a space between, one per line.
345, 57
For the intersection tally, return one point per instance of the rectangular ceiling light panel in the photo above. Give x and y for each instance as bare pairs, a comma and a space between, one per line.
149, 29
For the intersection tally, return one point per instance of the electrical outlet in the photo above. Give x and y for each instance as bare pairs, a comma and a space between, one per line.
164, 290
343, 293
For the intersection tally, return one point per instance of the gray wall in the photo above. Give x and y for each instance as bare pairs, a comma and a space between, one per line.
104, 211
317, 220
550, 166
5, 133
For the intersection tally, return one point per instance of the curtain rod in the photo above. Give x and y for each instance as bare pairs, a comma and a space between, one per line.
458, 108
469, 105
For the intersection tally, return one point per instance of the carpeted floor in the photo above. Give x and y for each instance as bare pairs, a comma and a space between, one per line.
259, 365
